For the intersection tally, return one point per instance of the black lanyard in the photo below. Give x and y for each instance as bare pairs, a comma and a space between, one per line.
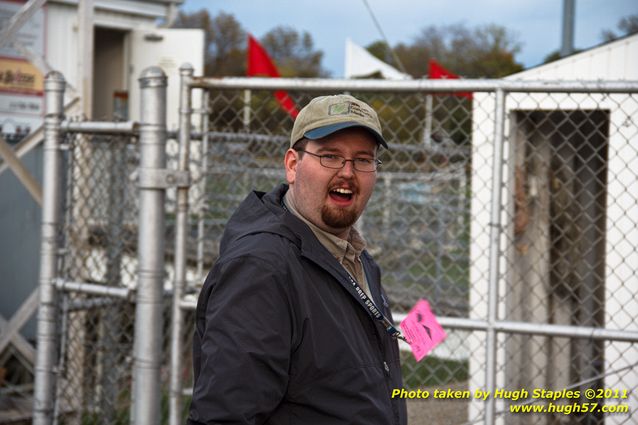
371, 306
375, 312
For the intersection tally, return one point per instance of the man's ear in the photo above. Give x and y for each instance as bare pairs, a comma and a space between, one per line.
291, 160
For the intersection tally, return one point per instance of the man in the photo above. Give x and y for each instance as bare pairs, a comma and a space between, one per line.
292, 325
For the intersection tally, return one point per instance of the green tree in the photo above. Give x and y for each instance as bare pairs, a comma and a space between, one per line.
225, 42
379, 49
294, 53
482, 52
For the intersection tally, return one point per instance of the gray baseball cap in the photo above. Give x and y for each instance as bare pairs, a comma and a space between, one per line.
325, 115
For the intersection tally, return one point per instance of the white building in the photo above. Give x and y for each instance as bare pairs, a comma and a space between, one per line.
101, 51
571, 227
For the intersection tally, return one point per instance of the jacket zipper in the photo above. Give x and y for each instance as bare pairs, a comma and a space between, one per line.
384, 363
386, 373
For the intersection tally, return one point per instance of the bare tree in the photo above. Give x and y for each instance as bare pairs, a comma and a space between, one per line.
627, 25
225, 41
294, 52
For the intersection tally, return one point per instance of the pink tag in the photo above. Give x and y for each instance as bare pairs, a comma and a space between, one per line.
422, 330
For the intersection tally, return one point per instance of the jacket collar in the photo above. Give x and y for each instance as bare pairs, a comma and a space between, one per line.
315, 252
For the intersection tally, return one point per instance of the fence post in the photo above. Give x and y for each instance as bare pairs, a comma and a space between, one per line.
181, 231
46, 356
494, 259
147, 349
202, 205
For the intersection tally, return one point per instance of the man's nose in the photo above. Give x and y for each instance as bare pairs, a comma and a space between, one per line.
348, 169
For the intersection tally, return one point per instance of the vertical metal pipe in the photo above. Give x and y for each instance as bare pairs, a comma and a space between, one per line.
147, 349
181, 231
494, 253
567, 40
388, 202
46, 357
202, 207
246, 116
427, 134
439, 271
86, 48
110, 352
62, 364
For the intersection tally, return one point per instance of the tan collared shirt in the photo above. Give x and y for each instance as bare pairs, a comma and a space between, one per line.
347, 252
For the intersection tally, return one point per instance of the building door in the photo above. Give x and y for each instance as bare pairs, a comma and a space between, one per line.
168, 49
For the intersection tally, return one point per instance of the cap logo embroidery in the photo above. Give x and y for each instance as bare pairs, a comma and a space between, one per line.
339, 109
347, 108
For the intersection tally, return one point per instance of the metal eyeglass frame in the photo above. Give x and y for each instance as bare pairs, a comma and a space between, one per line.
376, 162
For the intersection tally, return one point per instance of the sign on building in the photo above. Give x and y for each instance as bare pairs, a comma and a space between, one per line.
21, 83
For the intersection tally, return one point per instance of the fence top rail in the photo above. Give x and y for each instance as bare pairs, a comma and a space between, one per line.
423, 85
101, 127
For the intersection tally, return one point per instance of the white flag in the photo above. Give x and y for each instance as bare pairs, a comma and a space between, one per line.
361, 63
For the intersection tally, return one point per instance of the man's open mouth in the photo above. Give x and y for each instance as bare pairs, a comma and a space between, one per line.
341, 194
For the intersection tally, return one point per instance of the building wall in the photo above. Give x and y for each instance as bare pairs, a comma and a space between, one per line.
62, 45
20, 215
613, 61
617, 60
20, 220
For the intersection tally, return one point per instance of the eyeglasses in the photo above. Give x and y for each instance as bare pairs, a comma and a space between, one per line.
337, 162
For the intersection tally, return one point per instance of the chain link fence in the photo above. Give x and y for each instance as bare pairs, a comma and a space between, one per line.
513, 211
417, 223
94, 285
99, 243
430, 227
568, 250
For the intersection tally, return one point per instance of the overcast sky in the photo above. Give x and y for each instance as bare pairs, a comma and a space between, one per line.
536, 23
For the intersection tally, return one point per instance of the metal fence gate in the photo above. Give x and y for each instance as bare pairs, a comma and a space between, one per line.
102, 295
511, 206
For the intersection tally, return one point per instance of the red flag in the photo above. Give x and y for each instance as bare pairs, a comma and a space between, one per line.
436, 71
260, 64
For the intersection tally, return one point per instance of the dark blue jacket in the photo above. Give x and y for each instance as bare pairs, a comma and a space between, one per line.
281, 336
